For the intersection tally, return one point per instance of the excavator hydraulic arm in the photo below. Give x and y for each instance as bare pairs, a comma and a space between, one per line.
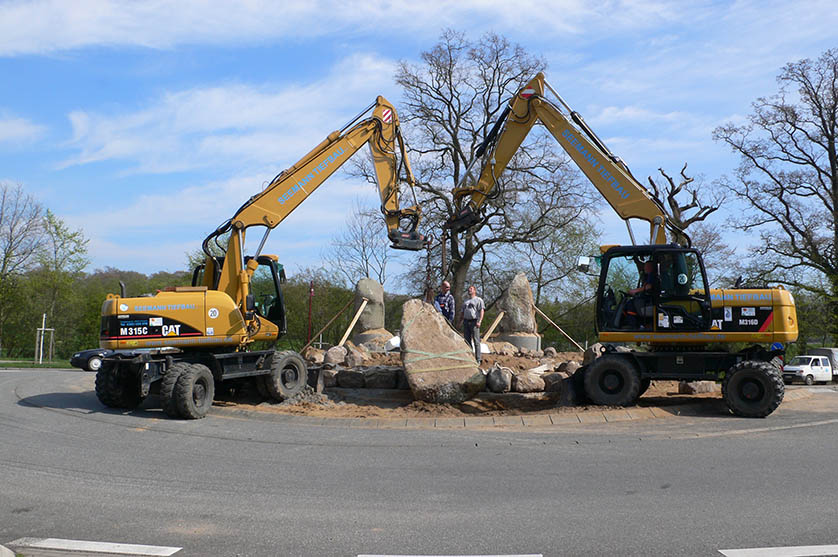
604, 170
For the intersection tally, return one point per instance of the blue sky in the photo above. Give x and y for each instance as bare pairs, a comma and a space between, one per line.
146, 124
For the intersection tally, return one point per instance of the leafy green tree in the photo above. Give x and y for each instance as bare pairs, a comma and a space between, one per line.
788, 178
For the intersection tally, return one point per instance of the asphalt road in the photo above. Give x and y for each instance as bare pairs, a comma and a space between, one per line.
248, 485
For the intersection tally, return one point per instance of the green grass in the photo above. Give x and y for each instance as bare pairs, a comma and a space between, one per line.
27, 363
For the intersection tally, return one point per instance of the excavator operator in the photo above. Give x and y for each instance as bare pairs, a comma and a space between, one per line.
642, 307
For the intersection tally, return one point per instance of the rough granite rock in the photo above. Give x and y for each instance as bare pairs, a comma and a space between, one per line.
351, 379
381, 377
335, 355
314, 355
696, 387
440, 366
373, 315
526, 382
569, 367
517, 302
330, 377
355, 357
550, 352
553, 382
503, 348
499, 379
592, 353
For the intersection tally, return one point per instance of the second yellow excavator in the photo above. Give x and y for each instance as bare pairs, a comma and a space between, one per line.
653, 294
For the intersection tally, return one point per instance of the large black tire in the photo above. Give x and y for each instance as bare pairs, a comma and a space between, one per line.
167, 388
613, 381
194, 392
753, 389
108, 389
261, 387
289, 375
117, 386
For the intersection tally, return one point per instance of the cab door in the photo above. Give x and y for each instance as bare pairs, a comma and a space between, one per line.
682, 298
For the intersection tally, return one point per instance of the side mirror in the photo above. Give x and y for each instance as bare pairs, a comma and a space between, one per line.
583, 264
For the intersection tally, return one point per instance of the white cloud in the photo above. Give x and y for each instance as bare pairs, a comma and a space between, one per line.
44, 26
235, 124
18, 130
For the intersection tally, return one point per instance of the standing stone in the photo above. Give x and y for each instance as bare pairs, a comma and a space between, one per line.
517, 301
440, 366
370, 324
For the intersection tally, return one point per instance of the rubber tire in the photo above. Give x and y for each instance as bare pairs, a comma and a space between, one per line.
167, 388
809, 380
753, 389
644, 386
194, 392
289, 375
117, 388
612, 381
94, 363
108, 389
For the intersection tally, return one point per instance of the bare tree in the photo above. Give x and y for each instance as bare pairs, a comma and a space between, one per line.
361, 249
788, 177
21, 238
688, 203
451, 101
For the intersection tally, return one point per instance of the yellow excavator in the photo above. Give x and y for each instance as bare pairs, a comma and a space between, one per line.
653, 294
184, 340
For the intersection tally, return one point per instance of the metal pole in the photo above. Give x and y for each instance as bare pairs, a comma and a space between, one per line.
41, 347
310, 300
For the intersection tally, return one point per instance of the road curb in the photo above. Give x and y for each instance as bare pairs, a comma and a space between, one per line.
6, 552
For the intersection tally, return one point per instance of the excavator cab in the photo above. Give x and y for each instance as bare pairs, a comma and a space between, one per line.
653, 289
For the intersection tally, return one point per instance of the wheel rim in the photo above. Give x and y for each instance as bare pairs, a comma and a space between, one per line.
199, 393
751, 390
611, 382
290, 376
94, 364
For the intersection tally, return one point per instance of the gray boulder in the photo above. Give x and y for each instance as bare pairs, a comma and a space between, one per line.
569, 367
381, 377
351, 379
696, 387
373, 315
550, 352
499, 379
517, 302
330, 377
553, 382
526, 382
335, 355
592, 353
440, 366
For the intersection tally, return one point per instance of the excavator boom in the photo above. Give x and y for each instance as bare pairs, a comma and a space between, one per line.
606, 172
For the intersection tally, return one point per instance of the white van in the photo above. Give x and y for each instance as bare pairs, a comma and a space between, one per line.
832, 354
808, 369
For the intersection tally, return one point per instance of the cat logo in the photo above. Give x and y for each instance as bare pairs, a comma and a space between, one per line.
717, 325
171, 330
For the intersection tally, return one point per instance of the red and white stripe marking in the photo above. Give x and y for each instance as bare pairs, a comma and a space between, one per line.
387, 115
527, 93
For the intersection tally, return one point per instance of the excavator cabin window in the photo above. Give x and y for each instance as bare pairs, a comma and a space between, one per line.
266, 291
653, 290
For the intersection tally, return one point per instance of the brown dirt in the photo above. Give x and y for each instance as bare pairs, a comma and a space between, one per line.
361, 403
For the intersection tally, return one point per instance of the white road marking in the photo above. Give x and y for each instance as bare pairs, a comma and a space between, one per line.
797, 551
105, 548
515, 555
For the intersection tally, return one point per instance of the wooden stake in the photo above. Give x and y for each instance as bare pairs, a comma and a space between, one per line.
309, 343
354, 320
494, 324
567, 336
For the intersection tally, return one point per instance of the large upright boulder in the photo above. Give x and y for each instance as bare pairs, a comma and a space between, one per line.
439, 365
517, 301
370, 324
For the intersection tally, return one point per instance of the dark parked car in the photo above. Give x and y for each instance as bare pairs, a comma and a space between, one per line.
91, 360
